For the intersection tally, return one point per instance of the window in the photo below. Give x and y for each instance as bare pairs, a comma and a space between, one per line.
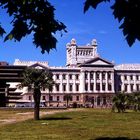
77, 98
125, 88
57, 87
50, 98
57, 76
109, 87
91, 87
98, 101
98, 87
103, 76
77, 87
104, 100
103, 87
77, 76
125, 77
70, 76
70, 87
109, 75
43, 97
86, 76
131, 86
64, 87
86, 87
57, 98
64, 76
97, 75
137, 77
91, 75
131, 77
30, 98
137, 86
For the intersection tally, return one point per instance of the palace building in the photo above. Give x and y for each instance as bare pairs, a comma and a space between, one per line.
89, 79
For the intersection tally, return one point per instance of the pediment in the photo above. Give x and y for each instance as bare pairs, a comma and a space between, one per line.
38, 66
97, 62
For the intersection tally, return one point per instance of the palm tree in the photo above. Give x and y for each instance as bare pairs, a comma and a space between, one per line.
35, 80
119, 102
67, 98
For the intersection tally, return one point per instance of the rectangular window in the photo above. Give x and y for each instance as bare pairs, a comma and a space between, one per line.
57, 76
91, 75
125, 88
131, 86
57, 87
137, 86
57, 98
64, 76
97, 75
64, 87
86, 87
43, 97
98, 87
91, 87
77, 87
104, 100
109, 75
77, 76
103, 87
70, 87
50, 98
103, 76
125, 77
30, 97
77, 98
86, 76
137, 77
109, 87
70, 76
131, 77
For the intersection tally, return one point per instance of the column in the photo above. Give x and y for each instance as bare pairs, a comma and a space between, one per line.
122, 81
101, 81
54, 87
89, 81
112, 79
94, 81
129, 88
74, 83
82, 81
135, 87
61, 83
67, 84
106, 82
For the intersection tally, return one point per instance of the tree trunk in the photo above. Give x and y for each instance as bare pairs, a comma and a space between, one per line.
37, 95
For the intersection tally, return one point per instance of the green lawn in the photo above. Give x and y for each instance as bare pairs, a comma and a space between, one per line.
87, 124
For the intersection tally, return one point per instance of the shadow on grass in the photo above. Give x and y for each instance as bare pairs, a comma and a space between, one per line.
56, 118
116, 138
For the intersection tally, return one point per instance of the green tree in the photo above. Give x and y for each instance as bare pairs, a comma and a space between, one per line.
127, 13
37, 17
67, 98
135, 101
32, 16
119, 102
35, 80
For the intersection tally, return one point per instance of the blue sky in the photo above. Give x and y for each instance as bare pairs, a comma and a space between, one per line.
99, 24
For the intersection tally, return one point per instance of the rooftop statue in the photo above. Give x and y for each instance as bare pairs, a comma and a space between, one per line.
94, 42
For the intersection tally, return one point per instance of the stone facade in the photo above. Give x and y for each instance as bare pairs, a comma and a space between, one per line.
88, 78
